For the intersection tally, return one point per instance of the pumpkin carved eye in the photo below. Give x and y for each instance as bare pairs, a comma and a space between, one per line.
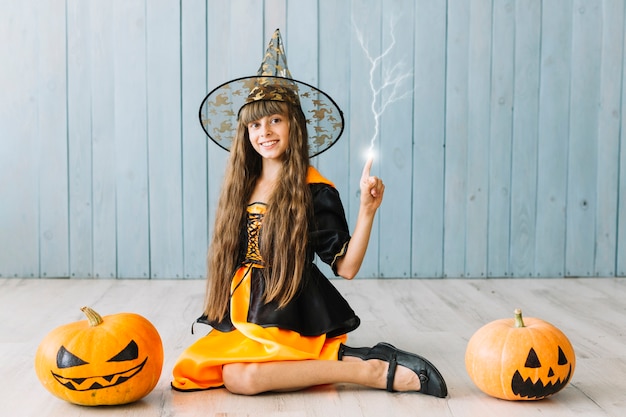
532, 361
130, 352
562, 357
66, 359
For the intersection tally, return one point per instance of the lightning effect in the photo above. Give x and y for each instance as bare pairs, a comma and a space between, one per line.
391, 84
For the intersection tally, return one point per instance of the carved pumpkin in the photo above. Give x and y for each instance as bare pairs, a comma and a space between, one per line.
115, 359
517, 359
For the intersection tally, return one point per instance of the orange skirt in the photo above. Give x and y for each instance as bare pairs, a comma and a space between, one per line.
199, 367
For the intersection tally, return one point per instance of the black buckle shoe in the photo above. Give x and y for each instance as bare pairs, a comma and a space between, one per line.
431, 380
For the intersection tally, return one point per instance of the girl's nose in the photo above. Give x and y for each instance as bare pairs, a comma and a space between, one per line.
266, 129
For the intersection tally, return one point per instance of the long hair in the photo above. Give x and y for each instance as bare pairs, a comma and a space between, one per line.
284, 233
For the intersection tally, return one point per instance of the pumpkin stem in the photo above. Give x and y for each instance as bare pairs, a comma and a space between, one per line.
519, 322
94, 318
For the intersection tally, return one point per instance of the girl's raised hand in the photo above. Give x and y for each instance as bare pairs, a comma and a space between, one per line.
372, 188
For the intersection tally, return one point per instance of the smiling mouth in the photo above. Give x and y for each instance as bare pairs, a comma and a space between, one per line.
269, 143
97, 382
528, 388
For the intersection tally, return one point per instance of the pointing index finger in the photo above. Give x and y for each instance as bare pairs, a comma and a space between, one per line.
367, 168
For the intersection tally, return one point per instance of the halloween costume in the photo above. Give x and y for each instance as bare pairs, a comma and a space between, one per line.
315, 323
312, 326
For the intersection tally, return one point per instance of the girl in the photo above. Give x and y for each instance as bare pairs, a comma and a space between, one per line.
278, 323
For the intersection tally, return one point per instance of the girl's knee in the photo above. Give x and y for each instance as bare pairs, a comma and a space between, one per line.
240, 378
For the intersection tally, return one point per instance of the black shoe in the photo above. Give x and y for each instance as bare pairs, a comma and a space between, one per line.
360, 353
431, 380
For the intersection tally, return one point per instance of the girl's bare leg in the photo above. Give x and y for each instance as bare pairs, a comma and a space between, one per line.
254, 378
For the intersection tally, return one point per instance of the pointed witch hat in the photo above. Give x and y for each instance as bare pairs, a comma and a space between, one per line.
220, 109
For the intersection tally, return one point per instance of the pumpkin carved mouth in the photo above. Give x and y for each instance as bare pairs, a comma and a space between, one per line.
98, 382
529, 389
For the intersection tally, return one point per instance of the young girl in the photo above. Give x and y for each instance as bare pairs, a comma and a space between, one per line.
278, 323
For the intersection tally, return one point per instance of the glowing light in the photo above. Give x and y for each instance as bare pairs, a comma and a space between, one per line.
370, 153
391, 82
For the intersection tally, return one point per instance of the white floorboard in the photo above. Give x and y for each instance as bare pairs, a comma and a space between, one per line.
435, 318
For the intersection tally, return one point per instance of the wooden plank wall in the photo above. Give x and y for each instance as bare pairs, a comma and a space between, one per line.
504, 160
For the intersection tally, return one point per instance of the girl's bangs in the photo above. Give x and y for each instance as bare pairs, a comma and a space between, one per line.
262, 108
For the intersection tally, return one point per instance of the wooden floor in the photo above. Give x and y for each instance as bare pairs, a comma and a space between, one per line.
433, 317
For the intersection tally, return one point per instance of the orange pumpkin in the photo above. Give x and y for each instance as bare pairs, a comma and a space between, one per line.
517, 359
115, 359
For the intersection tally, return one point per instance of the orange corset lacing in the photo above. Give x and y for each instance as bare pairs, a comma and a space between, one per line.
255, 216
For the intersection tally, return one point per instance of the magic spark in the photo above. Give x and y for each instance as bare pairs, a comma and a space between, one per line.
391, 83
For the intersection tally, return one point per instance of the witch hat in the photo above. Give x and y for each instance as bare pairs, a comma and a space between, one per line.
220, 109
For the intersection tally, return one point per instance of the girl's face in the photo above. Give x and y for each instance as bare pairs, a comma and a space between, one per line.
269, 135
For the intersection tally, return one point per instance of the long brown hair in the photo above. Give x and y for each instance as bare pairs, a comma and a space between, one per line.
283, 241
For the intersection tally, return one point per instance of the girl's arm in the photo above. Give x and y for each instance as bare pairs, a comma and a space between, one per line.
372, 190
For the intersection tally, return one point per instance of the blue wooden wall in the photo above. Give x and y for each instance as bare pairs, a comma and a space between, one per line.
504, 159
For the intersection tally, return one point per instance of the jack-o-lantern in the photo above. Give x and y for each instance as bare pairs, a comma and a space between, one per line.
520, 359
115, 359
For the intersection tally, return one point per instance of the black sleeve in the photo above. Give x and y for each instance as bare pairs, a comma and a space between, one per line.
330, 234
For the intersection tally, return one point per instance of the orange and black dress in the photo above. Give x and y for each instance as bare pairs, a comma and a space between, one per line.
312, 326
